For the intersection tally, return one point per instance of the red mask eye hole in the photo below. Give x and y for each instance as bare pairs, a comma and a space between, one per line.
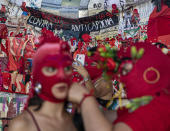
68, 70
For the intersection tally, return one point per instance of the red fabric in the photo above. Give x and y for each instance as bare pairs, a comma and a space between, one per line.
3, 9
14, 59
6, 78
152, 117
5, 50
3, 31
72, 40
153, 57
166, 40
29, 51
44, 35
158, 24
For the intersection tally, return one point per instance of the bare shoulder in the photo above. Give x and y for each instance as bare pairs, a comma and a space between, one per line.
121, 127
20, 123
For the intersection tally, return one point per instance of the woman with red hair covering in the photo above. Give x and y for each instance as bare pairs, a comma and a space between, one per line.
145, 73
93, 79
52, 78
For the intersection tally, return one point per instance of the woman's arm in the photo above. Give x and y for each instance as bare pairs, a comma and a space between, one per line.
93, 119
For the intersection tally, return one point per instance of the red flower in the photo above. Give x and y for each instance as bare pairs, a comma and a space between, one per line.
86, 38
111, 64
107, 39
102, 59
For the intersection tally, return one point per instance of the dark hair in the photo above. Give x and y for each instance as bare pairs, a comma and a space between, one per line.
159, 2
167, 2
161, 45
35, 101
93, 49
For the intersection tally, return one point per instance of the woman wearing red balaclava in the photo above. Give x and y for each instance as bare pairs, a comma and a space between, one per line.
52, 78
144, 71
93, 79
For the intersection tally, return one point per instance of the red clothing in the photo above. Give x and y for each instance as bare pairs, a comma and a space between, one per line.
152, 117
159, 26
29, 51
3, 31
6, 79
15, 60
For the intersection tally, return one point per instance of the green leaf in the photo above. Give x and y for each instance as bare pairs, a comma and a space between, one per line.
134, 108
89, 53
100, 49
140, 53
103, 54
129, 105
133, 52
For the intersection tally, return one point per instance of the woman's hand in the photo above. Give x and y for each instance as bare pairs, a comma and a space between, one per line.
81, 70
76, 93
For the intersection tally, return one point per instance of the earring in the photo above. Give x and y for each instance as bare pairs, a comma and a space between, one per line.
38, 88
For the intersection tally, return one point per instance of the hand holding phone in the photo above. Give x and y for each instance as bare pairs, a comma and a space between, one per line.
81, 58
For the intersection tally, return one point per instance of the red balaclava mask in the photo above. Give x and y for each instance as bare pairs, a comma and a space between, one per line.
54, 55
91, 67
149, 75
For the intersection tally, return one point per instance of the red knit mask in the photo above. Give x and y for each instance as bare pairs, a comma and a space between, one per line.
51, 55
92, 69
149, 75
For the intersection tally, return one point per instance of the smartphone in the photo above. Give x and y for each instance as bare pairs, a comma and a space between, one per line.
80, 58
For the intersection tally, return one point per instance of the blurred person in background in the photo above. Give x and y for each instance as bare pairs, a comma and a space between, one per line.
145, 76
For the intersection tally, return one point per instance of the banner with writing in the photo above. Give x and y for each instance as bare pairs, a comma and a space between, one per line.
97, 22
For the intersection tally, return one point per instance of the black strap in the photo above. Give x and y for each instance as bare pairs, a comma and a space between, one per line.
33, 118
